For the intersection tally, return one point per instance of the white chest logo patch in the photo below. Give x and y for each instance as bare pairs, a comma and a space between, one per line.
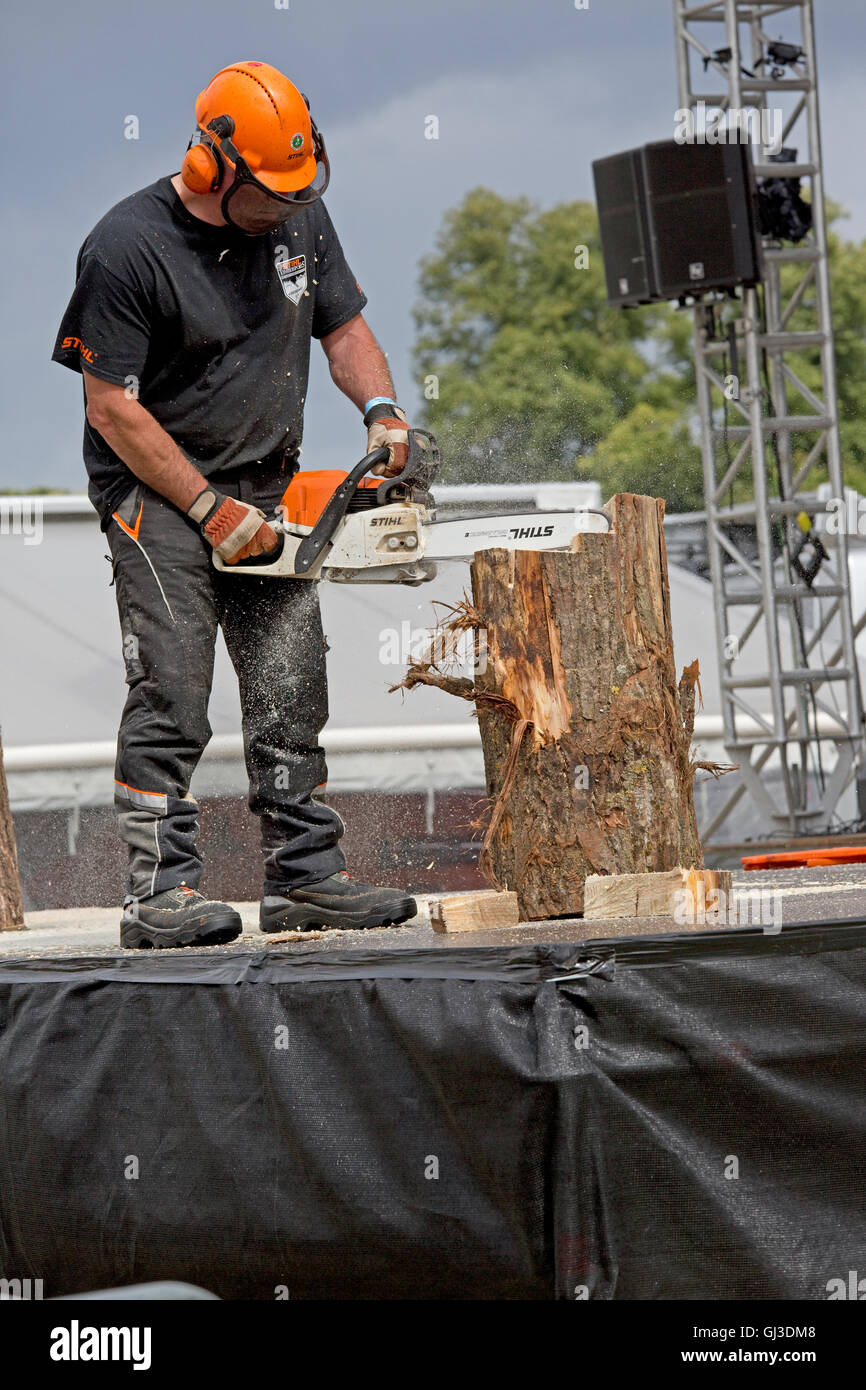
292, 271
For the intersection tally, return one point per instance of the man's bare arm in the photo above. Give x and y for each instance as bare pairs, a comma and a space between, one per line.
359, 368
236, 530
357, 363
142, 443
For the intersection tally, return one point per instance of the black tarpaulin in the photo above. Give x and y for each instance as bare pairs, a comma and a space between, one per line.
665, 1117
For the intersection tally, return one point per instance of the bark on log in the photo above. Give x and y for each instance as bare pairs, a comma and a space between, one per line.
587, 737
11, 905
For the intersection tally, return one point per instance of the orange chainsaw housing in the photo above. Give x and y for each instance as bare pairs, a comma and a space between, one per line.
309, 493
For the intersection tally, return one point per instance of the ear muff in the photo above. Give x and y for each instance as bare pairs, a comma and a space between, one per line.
202, 169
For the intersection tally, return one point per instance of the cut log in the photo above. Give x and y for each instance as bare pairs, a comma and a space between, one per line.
592, 772
11, 904
586, 731
480, 911
679, 892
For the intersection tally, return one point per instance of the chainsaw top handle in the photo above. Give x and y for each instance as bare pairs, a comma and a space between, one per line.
420, 469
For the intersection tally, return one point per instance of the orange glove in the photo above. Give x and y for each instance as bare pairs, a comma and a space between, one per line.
235, 529
386, 425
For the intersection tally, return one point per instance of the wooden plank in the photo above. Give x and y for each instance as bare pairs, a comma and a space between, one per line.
485, 910
789, 842
654, 895
292, 937
11, 905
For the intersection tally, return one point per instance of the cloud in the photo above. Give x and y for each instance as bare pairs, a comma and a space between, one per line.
526, 99
535, 135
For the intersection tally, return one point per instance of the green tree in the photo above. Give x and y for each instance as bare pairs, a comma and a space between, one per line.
537, 376
528, 373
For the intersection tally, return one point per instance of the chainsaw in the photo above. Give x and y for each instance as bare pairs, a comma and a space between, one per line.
350, 529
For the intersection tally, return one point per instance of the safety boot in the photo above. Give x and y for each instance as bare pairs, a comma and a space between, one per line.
340, 902
177, 917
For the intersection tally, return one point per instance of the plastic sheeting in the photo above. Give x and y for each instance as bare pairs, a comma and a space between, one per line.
670, 1117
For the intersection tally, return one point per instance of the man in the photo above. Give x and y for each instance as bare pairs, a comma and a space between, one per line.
194, 306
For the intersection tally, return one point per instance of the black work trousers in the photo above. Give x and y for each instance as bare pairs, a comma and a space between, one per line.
171, 601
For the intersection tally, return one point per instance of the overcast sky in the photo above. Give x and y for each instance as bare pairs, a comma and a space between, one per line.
527, 95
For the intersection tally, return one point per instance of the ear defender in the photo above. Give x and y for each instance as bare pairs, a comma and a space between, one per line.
199, 170
202, 168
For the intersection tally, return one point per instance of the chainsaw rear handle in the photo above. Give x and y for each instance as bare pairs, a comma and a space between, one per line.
418, 473
266, 558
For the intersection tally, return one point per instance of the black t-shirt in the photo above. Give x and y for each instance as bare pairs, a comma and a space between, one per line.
209, 327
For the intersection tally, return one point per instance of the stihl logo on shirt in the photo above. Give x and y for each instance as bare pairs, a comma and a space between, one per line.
292, 271
87, 353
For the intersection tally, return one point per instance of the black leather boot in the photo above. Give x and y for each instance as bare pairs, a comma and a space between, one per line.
339, 901
177, 917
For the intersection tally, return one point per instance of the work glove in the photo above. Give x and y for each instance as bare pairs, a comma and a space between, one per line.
386, 425
236, 530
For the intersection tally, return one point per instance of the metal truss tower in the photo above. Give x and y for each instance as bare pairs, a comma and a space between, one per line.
798, 693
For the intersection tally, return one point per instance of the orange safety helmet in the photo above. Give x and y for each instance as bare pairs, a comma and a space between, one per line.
251, 117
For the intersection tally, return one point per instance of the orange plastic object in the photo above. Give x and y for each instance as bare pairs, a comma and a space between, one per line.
308, 494
806, 858
199, 170
272, 124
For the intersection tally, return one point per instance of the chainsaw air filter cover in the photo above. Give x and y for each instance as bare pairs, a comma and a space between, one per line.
309, 492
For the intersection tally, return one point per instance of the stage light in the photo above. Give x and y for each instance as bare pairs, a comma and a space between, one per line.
782, 212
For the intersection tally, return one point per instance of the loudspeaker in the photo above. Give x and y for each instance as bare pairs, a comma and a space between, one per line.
677, 220
624, 229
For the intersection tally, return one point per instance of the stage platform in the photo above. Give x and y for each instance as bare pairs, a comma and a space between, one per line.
806, 895
572, 1110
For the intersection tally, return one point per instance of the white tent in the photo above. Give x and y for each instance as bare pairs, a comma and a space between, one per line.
62, 686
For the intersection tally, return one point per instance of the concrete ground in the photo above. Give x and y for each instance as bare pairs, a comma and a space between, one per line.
806, 895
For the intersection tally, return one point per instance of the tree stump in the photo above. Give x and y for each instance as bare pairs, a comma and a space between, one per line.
586, 732
594, 773
11, 905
